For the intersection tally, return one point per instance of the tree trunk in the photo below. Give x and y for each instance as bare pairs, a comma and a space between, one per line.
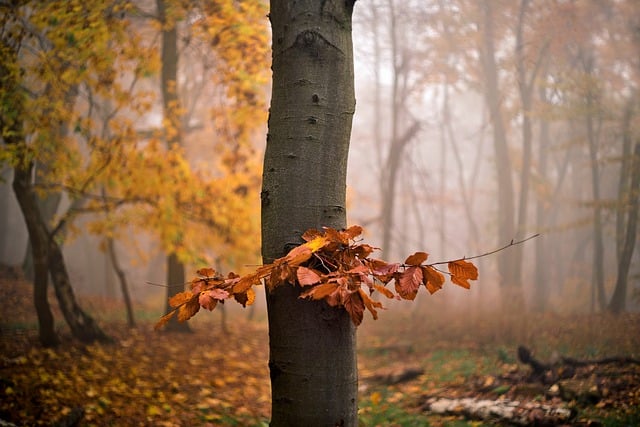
619, 298
11, 128
512, 293
83, 327
598, 239
169, 86
38, 238
541, 249
122, 278
312, 346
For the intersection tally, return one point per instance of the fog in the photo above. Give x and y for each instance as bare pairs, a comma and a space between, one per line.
479, 125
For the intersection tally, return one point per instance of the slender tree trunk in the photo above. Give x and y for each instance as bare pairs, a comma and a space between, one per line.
312, 357
38, 238
169, 85
541, 250
598, 240
83, 326
512, 293
619, 298
122, 278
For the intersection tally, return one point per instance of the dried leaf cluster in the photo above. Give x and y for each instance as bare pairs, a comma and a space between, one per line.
332, 265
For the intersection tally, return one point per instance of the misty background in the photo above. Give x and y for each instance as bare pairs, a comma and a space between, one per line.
477, 124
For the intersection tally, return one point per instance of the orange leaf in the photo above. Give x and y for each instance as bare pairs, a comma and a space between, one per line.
189, 309
320, 291
180, 298
461, 272
352, 232
355, 307
164, 320
382, 270
245, 283
417, 258
408, 282
462, 268
461, 282
433, 279
370, 304
206, 272
246, 298
307, 276
209, 299
384, 291
311, 234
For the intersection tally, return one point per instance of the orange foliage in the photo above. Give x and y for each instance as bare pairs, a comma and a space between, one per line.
330, 266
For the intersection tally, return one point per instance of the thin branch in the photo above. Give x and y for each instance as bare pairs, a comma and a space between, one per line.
512, 243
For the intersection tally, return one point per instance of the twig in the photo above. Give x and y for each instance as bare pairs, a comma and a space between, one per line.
512, 243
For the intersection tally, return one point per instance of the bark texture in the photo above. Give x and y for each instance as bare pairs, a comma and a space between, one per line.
312, 346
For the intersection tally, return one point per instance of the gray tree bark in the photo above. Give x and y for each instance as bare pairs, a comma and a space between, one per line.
312, 357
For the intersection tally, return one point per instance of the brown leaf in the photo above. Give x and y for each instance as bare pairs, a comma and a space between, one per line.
164, 320
384, 291
464, 269
245, 283
362, 251
311, 234
408, 282
180, 298
189, 309
352, 232
382, 270
417, 258
370, 304
433, 279
461, 272
209, 299
320, 291
307, 276
206, 272
354, 305
246, 298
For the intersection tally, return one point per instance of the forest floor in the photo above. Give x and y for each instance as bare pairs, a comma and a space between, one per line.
407, 360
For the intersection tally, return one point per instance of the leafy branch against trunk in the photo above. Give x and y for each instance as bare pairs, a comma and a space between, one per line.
334, 266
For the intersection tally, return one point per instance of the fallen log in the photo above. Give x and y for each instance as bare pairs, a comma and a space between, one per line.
564, 367
514, 412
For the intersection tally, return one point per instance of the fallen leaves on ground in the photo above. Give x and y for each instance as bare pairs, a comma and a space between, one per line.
144, 378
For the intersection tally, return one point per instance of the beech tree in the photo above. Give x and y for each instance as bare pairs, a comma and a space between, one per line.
319, 277
312, 357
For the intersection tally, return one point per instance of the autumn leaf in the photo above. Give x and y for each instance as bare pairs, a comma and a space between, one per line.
180, 298
370, 304
164, 320
245, 298
189, 309
352, 232
311, 234
354, 305
409, 281
384, 291
417, 258
433, 279
320, 291
209, 299
461, 272
383, 270
307, 276
206, 272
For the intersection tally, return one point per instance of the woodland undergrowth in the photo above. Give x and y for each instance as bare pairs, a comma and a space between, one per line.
218, 377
